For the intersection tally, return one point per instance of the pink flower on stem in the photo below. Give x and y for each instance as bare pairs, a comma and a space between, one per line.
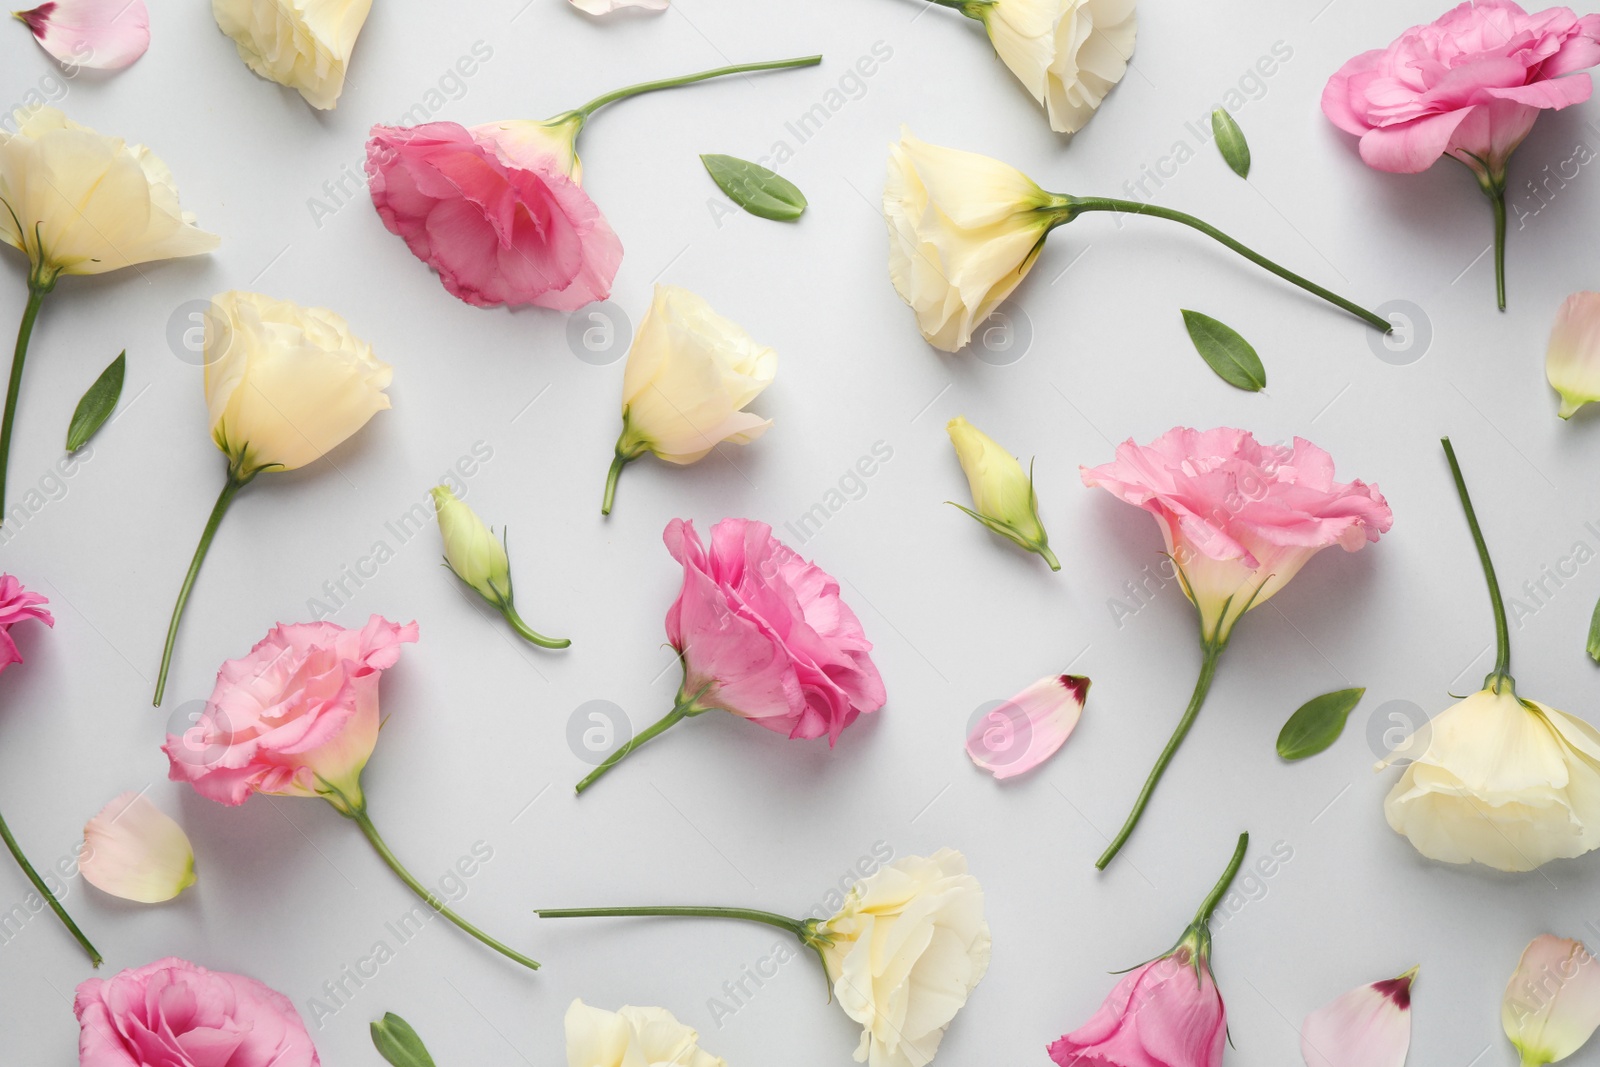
1166, 1013
763, 634
16, 605
1469, 86
99, 34
1239, 519
298, 717
172, 1013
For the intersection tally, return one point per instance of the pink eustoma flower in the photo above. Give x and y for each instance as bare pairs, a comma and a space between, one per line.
499, 218
172, 1013
16, 605
100, 34
1367, 1027
1469, 86
1028, 729
763, 634
298, 714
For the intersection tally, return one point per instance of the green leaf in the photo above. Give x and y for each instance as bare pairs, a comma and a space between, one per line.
755, 188
1230, 142
1317, 724
1226, 352
97, 404
398, 1043
1594, 635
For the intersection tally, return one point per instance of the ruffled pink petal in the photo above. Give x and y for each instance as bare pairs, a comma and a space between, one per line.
100, 34
1410, 148
1029, 728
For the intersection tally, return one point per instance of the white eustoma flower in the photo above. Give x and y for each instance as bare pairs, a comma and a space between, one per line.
1067, 53
632, 1037
1552, 1002
302, 44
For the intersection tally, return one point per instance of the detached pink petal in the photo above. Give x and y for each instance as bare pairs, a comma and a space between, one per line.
100, 34
1552, 1002
134, 851
1026, 730
1367, 1027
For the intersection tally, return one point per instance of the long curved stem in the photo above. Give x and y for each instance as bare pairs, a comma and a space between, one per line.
1080, 204
688, 79
1502, 631
229, 490
359, 816
797, 927
528, 633
1202, 685
1209, 905
38, 884
680, 711
30, 315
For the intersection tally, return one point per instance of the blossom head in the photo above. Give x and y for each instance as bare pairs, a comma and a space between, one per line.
1468, 85
78, 202
285, 384
1572, 360
18, 605
302, 44
503, 225
1166, 1012
172, 1013
964, 230
765, 635
1002, 492
632, 1037
1552, 1002
471, 549
1240, 518
538, 144
297, 717
931, 910
1067, 53
1501, 780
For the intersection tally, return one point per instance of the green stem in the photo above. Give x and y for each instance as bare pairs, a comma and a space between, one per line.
617, 463
1208, 669
527, 632
688, 79
30, 315
1502, 631
797, 927
358, 814
973, 9
230, 489
1497, 199
681, 710
1049, 556
1209, 905
38, 884
1078, 204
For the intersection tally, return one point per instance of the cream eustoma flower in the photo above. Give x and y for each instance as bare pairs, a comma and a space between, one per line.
632, 1037
1552, 1002
1067, 53
964, 231
302, 44
133, 850
284, 385
1002, 492
904, 953
477, 558
690, 373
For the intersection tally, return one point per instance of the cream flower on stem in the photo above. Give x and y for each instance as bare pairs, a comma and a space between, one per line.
901, 956
1500, 779
690, 373
471, 551
135, 851
1002, 494
1552, 1002
964, 230
1067, 53
284, 386
77, 202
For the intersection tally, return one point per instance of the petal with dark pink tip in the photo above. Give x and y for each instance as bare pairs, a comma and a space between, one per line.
100, 34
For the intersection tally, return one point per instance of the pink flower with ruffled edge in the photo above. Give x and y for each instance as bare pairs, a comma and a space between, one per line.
764, 634
502, 225
1167, 1013
300, 711
172, 1013
16, 605
1240, 518
100, 34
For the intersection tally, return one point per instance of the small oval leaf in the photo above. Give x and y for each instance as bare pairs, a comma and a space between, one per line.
97, 404
1230, 142
1594, 635
398, 1043
755, 188
1226, 352
1317, 724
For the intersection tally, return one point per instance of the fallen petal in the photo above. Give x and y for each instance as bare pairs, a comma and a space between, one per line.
1026, 730
606, 7
1367, 1027
133, 850
100, 34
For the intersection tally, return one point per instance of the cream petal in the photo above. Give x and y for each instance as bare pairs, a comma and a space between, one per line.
134, 851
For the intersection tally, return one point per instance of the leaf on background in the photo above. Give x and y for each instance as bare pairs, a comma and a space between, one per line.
1226, 352
396, 1042
1230, 142
1594, 635
97, 404
1317, 724
755, 188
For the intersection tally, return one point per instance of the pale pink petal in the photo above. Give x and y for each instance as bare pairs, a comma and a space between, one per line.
134, 851
606, 7
1026, 730
1366, 1027
100, 34
1552, 1002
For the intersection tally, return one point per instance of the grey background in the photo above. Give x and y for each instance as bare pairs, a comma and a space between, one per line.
476, 746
